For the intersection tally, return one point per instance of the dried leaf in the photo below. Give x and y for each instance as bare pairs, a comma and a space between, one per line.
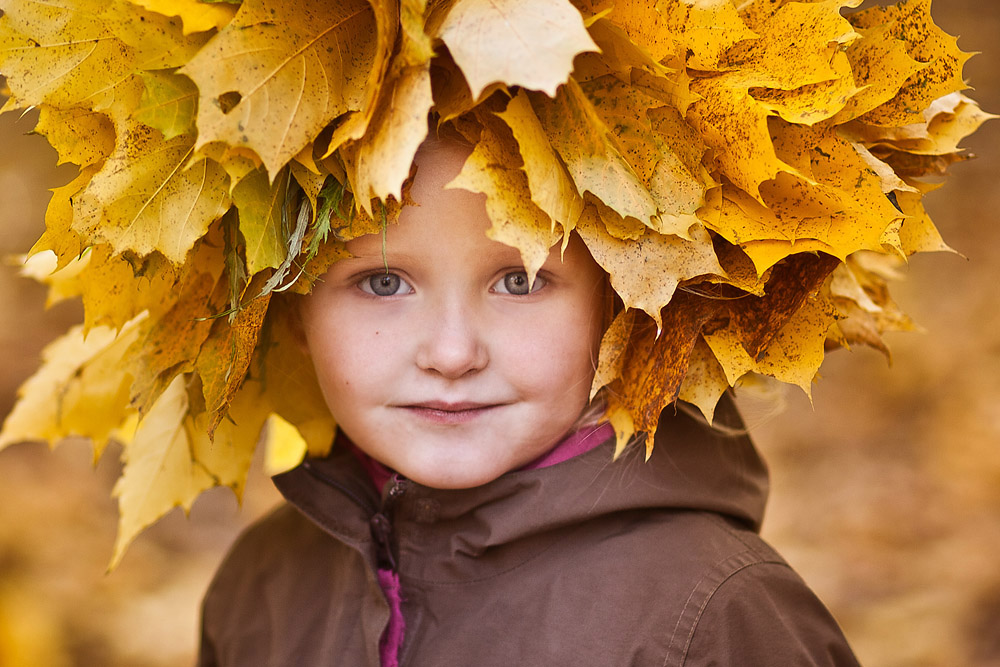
84, 53
911, 22
705, 382
527, 43
81, 136
274, 76
380, 161
260, 204
550, 185
614, 349
160, 470
494, 169
654, 371
225, 357
794, 355
78, 390
144, 199
588, 150
645, 272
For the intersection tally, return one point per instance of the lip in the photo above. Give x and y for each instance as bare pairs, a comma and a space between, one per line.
443, 412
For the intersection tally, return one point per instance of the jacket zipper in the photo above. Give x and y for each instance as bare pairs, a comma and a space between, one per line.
381, 523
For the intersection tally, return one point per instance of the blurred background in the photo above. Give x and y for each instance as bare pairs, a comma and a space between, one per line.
885, 493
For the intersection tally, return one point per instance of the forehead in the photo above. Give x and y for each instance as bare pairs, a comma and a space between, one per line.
437, 219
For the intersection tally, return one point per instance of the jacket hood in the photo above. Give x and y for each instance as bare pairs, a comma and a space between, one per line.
693, 467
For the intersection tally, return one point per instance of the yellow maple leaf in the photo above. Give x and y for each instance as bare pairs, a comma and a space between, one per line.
260, 205
173, 340
550, 185
796, 352
624, 426
78, 391
676, 192
798, 46
612, 354
59, 236
139, 285
880, 65
730, 354
705, 381
284, 446
226, 450
274, 76
641, 20
288, 381
589, 151
146, 197
815, 102
527, 43
947, 121
84, 53
645, 272
618, 55
380, 161
81, 136
160, 471
707, 28
911, 22
918, 233
735, 125
494, 169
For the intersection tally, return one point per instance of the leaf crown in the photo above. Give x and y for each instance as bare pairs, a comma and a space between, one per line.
748, 174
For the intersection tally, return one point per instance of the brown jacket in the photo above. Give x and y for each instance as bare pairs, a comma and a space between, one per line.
587, 562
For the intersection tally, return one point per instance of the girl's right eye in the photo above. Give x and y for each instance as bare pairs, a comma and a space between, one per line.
384, 284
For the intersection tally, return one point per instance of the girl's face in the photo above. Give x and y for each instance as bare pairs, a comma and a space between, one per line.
445, 368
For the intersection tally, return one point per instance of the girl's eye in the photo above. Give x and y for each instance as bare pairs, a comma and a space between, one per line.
516, 282
384, 284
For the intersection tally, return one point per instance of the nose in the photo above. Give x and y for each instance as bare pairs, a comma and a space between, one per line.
451, 344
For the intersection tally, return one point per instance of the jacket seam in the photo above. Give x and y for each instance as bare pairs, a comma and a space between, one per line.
702, 594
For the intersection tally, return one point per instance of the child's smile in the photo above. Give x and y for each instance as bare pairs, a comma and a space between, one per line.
437, 359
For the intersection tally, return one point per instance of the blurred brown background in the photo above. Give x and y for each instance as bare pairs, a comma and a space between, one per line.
886, 496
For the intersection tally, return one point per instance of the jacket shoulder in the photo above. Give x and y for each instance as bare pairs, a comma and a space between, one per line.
750, 608
262, 602
263, 545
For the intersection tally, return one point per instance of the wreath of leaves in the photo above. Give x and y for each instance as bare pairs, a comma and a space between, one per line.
749, 174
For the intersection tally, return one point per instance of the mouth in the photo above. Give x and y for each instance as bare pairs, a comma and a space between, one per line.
443, 412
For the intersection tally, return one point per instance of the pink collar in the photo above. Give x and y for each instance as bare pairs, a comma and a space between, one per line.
576, 443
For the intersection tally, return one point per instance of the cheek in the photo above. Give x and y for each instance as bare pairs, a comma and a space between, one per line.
339, 353
555, 357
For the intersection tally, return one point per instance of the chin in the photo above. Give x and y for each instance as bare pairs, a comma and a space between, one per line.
437, 476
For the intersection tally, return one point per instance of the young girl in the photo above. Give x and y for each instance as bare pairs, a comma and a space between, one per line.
470, 513
732, 183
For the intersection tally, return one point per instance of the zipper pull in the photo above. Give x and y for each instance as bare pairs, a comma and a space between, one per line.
381, 525
396, 489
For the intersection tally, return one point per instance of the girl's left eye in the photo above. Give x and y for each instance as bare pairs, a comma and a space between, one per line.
384, 284
516, 283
